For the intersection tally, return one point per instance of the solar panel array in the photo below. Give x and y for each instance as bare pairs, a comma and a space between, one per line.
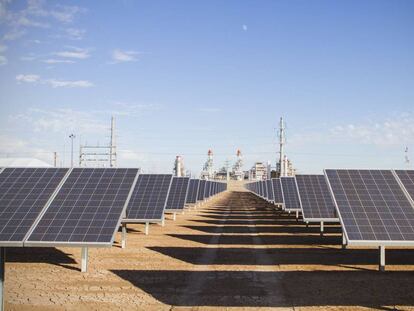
87, 209
373, 208
290, 194
264, 187
193, 191
178, 193
149, 198
24, 193
315, 198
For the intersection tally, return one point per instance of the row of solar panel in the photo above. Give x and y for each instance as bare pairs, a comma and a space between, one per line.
85, 206
375, 207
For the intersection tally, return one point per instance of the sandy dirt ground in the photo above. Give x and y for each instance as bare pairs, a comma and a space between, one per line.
233, 252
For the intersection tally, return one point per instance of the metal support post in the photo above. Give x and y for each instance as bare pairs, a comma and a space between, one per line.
321, 227
124, 234
343, 241
163, 221
84, 260
174, 216
297, 215
382, 258
307, 224
146, 228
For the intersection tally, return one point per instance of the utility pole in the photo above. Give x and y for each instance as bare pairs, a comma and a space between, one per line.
72, 137
55, 159
112, 146
281, 147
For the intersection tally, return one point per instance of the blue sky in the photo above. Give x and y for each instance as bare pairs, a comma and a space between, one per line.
185, 76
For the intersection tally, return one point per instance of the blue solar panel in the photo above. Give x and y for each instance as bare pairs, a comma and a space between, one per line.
290, 194
178, 193
193, 191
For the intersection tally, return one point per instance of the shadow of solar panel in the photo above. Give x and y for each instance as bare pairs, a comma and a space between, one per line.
192, 191
315, 198
372, 206
290, 194
24, 193
149, 198
201, 190
277, 191
87, 209
178, 193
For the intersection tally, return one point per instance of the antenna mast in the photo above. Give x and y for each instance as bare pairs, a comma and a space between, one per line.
281, 147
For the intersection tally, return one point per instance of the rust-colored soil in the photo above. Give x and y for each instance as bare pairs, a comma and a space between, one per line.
235, 251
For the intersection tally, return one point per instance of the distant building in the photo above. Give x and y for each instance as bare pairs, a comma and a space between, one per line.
258, 171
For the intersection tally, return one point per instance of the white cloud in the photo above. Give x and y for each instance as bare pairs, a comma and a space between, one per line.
75, 34
57, 61
74, 52
32, 78
119, 56
69, 84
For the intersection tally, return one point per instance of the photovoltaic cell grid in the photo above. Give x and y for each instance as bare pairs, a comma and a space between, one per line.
269, 186
277, 191
193, 191
87, 209
149, 198
201, 189
178, 193
407, 179
290, 194
315, 198
260, 188
265, 192
372, 207
207, 189
24, 193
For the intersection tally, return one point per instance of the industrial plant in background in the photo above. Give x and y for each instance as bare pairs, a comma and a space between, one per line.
208, 171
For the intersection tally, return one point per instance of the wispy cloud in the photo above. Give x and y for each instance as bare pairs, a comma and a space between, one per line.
397, 129
57, 61
35, 14
120, 56
32, 78
75, 34
3, 58
74, 52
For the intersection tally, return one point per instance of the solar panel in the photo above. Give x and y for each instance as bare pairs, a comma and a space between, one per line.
24, 193
406, 178
260, 188
193, 191
201, 189
265, 192
277, 191
269, 186
373, 208
178, 193
87, 209
315, 198
290, 194
149, 198
207, 189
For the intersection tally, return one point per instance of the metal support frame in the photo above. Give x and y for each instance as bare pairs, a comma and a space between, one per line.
297, 215
382, 258
174, 216
2, 275
146, 228
124, 234
322, 228
307, 224
84, 259
163, 221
